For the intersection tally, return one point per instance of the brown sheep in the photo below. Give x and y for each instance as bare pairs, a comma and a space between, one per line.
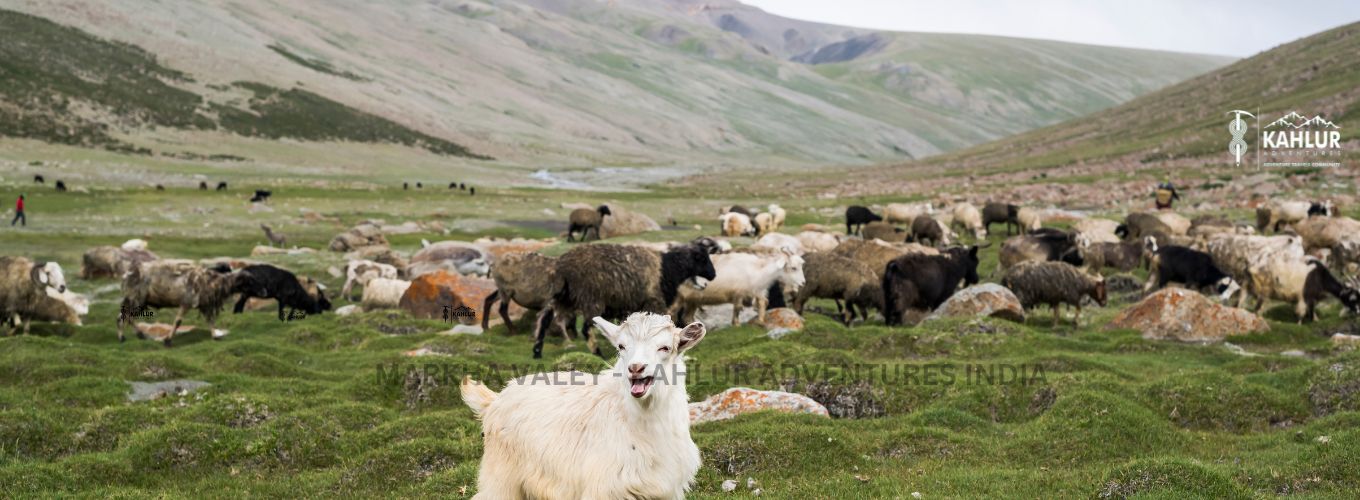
877, 255
879, 230
585, 219
525, 278
831, 276
1054, 283
24, 285
175, 283
112, 262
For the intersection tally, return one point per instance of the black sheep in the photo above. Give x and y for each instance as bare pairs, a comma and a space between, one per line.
857, 216
222, 186
462, 186
260, 196
919, 281
39, 179
269, 282
202, 185
1002, 213
453, 185
420, 185
61, 186
160, 187
472, 191
1191, 267
1321, 281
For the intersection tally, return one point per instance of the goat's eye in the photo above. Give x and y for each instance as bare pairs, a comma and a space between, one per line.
665, 348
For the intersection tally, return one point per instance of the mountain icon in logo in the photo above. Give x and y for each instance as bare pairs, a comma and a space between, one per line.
1297, 121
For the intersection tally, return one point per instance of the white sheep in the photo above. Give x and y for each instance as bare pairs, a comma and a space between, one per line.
736, 224
742, 277
1180, 226
1097, 230
778, 213
383, 293
622, 433
968, 218
1238, 254
764, 223
135, 245
776, 241
1030, 219
1280, 279
906, 213
362, 271
818, 241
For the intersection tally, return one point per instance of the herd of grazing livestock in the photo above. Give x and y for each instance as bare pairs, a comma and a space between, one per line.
909, 259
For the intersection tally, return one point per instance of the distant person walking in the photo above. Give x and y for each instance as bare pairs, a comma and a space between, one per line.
19, 212
1166, 195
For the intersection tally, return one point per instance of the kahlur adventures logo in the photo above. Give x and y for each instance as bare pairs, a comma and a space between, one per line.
1293, 140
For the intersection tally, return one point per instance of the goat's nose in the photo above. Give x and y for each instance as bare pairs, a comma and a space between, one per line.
636, 368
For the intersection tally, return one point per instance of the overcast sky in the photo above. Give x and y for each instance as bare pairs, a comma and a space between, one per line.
1226, 27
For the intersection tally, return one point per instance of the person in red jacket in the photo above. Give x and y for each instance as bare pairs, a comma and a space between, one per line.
19, 212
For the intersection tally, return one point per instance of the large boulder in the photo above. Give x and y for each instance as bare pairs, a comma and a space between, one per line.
623, 222
985, 300
456, 256
450, 297
783, 318
381, 254
741, 400
1187, 316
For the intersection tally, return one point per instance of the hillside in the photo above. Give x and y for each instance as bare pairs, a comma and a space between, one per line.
582, 83
1178, 132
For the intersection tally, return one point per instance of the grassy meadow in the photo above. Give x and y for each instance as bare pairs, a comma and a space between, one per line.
329, 406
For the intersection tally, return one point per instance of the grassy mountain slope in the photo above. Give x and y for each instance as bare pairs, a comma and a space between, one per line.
580, 82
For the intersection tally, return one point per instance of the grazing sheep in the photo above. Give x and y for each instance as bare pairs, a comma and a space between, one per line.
617, 434
383, 293
840, 278
525, 278
778, 214
1238, 254
1097, 230
1193, 268
613, 280
268, 282
1281, 279
420, 185
23, 286
455, 256
857, 216
38, 179
927, 229
736, 224
968, 218
585, 219
472, 191
260, 196
1054, 283
222, 186
877, 255
1000, 213
1138, 226
362, 271
776, 241
65, 308
1178, 224
114, 262
1287, 213
905, 213
923, 282
884, 231
817, 241
202, 185
764, 223
175, 283
1206, 226
1028, 219
741, 277
736, 209
453, 185
61, 186
1338, 235
160, 187
274, 238
1124, 255
1044, 245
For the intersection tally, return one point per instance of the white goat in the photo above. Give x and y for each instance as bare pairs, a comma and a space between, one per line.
622, 433
383, 293
362, 271
743, 277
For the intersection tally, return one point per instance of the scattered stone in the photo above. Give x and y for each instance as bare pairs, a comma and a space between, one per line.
463, 330
1346, 341
257, 207
778, 333
988, 300
720, 316
729, 485
783, 318
160, 331
624, 222
1294, 353
1187, 316
335, 272
347, 310
1238, 350
449, 296
146, 391
423, 351
498, 247
741, 400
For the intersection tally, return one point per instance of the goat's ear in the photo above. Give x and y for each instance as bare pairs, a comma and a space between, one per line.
690, 336
610, 330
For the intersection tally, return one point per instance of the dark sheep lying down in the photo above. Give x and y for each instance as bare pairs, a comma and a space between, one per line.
269, 282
